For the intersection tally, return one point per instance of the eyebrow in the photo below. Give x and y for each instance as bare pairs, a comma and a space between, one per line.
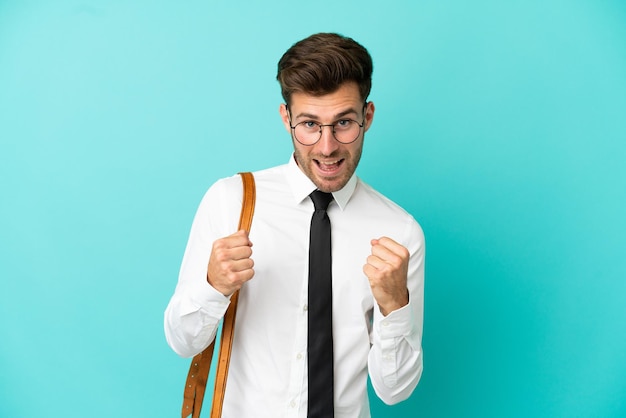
336, 117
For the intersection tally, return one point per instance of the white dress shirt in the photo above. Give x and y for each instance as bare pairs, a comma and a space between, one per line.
268, 373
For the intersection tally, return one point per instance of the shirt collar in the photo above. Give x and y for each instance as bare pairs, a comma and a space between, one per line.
302, 186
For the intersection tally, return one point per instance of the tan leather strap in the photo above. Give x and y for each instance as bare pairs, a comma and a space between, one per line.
201, 363
249, 199
228, 329
196, 382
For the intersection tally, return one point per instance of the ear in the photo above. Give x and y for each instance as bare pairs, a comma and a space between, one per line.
369, 115
284, 115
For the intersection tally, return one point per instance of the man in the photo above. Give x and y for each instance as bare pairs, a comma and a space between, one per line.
377, 252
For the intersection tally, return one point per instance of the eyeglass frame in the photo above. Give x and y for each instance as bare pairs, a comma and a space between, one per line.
321, 126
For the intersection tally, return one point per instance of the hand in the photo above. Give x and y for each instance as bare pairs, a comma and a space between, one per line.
387, 268
230, 265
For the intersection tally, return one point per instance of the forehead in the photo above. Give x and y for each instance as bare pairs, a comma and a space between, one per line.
346, 98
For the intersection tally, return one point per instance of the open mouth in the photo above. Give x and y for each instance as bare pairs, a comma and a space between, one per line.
329, 167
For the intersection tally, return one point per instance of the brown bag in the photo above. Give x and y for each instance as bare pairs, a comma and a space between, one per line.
201, 363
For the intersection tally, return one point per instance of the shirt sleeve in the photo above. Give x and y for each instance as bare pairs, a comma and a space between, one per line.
193, 314
395, 361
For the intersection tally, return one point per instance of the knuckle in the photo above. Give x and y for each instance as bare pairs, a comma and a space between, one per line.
220, 254
220, 257
232, 277
218, 244
374, 274
396, 260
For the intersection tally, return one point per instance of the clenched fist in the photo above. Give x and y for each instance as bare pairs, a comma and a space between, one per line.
387, 268
230, 265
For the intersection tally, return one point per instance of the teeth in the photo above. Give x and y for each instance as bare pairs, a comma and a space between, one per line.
329, 162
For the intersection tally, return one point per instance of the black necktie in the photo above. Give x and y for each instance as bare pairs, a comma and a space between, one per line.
320, 313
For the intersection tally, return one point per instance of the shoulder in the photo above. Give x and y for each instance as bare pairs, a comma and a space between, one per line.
374, 200
383, 210
223, 189
229, 189
272, 178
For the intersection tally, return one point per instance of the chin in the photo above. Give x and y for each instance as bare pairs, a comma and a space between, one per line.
329, 186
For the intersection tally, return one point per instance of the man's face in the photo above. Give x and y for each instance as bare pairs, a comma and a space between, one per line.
328, 163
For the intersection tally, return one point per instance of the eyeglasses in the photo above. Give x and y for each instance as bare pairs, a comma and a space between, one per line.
309, 133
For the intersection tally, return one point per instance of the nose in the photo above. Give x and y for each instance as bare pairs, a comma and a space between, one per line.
327, 143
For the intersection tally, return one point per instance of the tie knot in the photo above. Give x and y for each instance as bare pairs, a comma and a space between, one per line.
321, 200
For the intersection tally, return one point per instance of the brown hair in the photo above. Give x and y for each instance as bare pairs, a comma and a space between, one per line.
321, 63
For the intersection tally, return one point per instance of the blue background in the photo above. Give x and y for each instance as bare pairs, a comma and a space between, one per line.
500, 126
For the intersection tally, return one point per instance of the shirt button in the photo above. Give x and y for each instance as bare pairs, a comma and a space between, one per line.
299, 356
385, 324
305, 308
292, 404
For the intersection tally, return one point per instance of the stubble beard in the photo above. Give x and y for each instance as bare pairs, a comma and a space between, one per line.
332, 184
